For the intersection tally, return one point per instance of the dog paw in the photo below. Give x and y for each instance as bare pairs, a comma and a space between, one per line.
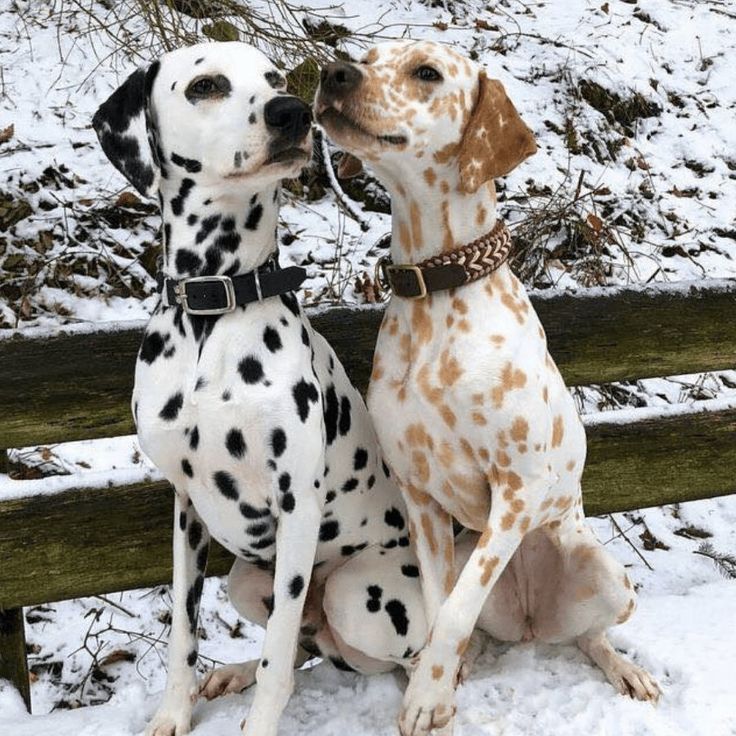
429, 704
634, 681
169, 724
233, 678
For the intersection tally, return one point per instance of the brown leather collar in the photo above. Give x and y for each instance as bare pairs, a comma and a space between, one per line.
448, 270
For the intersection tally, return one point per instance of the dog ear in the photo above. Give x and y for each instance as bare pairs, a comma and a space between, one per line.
349, 166
496, 140
123, 129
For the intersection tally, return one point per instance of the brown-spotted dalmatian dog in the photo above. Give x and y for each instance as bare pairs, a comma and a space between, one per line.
470, 408
249, 413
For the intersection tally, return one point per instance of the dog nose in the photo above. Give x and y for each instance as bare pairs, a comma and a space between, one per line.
288, 116
338, 78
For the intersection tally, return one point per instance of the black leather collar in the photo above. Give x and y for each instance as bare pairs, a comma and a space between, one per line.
208, 295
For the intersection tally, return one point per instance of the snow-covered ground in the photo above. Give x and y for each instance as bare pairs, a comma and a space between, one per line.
633, 106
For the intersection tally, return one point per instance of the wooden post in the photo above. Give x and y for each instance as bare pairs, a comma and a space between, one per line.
4, 465
13, 662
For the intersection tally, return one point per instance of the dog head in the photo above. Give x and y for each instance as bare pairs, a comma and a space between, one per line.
215, 111
409, 105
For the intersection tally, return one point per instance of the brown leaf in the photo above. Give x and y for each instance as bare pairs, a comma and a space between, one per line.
484, 25
349, 166
7, 133
440, 25
87, 202
127, 199
118, 655
595, 223
604, 7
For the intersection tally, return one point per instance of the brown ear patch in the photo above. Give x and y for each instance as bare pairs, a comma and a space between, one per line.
349, 166
496, 140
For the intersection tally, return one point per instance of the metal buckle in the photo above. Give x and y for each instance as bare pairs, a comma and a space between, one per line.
417, 274
180, 292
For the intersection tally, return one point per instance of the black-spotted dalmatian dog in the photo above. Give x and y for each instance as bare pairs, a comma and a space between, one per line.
249, 413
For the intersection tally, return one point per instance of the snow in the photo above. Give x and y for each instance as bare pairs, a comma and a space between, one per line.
666, 194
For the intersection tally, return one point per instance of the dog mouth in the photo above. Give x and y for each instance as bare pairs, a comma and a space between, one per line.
290, 155
337, 122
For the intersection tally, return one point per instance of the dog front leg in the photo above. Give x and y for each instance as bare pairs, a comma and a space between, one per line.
431, 534
296, 545
191, 547
429, 700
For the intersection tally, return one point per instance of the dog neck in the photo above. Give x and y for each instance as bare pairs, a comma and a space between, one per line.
433, 216
214, 230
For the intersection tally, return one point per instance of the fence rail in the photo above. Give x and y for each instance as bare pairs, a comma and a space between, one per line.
77, 384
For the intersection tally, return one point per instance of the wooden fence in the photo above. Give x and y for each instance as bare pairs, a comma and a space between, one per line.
77, 384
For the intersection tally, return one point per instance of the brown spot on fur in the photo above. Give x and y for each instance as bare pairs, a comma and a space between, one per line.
518, 307
545, 395
437, 671
524, 525
483, 454
502, 458
480, 215
511, 378
428, 531
404, 237
479, 419
477, 399
460, 305
420, 466
627, 613
485, 537
558, 431
462, 646
570, 465
508, 521
450, 369
421, 322
446, 454
488, 568
519, 429
377, 372
498, 340
430, 176
416, 224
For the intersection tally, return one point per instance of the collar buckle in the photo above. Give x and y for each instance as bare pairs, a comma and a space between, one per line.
182, 297
405, 286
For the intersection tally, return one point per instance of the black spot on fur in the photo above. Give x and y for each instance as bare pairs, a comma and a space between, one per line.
330, 497
304, 393
284, 482
172, 408
254, 217
397, 613
195, 534
192, 219
272, 339
305, 336
226, 484
187, 261
331, 414
192, 658
226, 396
235, 443
250, 512
290, 302
350, 549
403, 541
360, 459
151, 347
177, 203
182, 520
350, 485
394, 518
275, 80
344, 415
200, 60
296, 586
202, 558
386, 471
264, 663
373, 604
194, 438
371, 481
278, 441
186, 466
251, 370
329, 530
228, 242
188, 164
264, 543
252, 118
212, 261
207, 225
288, 502
258, 530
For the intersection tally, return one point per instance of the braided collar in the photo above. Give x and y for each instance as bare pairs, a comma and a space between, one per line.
447, 270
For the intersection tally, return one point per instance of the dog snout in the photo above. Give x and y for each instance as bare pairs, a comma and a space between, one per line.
288, 117
337, 79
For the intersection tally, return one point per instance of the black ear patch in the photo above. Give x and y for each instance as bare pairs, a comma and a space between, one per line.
122, 126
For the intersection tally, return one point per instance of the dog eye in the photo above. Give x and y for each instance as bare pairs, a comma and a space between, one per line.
427, 74
204, 88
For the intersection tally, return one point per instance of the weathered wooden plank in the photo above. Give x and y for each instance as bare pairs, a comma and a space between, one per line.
13, 662
96, 541
78, 385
